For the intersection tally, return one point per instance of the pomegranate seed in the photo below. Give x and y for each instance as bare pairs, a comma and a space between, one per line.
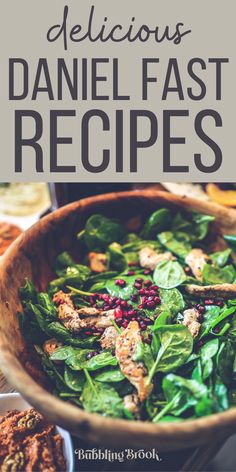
209, 302
151, 304
133, 319
132, 264
147, 293
106, 307
148, 341
119, 321
88, 333
132, 313
141, 291
118, 313
147, 272
130, 272
133, 298
157, 300
143, 326
220, 303
147, 283
123, 303
139, 280
154, 287
137, 285
120, 282
139, 318
125, 324
200, 308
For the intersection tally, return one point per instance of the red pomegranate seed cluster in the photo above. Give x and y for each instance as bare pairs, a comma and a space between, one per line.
147, 293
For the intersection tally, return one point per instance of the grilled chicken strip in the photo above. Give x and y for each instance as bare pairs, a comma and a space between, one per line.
190, 320
126, 346
97, 262
149, 258
208, 291
108, 339
196, 259
75, 320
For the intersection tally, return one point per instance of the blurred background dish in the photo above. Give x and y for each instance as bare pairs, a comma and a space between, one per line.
14, 401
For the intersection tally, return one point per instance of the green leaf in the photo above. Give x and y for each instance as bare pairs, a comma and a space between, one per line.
101, 360
176, 344
74, 380
101, 231
106, 401
169, 274
117, 291
171, 300
221, 258
214, 317
176, 242
74, 358
216, 275
158, 221
110, 376
225, 362
190, 392
116, 257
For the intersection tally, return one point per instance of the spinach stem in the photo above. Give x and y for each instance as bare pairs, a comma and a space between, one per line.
90, 381
117, 327
80, 292
166, 409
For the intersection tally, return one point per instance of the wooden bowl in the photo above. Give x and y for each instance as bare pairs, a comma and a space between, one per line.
32, 256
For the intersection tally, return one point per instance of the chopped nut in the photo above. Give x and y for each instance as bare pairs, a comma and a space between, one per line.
13, 462
29, 421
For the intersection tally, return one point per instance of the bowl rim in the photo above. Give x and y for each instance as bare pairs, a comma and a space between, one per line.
90, 425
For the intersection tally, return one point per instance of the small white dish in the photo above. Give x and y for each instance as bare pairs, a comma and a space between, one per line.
14, 401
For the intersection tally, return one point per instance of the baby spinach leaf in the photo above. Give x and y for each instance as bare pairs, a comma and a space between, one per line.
104, 400
63, 261
176, 242
176, 344
144, 353
117, 259
163, 319
221, 258
99, 278
218, 275
57, 330
169, 274
28, 292
136, 246
46, 305
181, 394
171, 300
101, 360
207, 352
158, 221
110, 376
101, 231
74, 380
122, 292
196, 225
225, 362
74, 358
215, 318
